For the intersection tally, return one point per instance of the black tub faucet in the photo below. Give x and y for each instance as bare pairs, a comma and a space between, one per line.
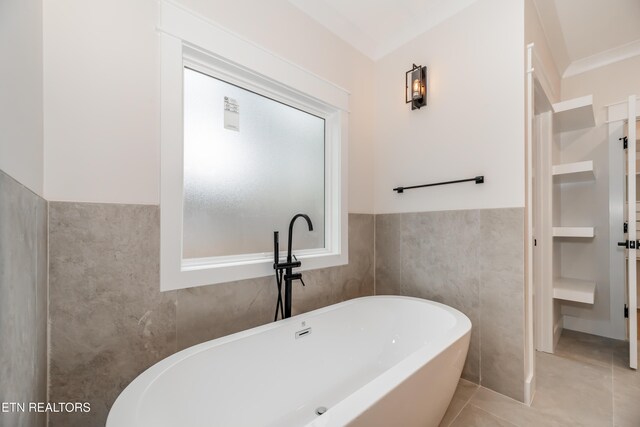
285, 270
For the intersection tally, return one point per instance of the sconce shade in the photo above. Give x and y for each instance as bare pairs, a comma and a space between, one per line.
416, 87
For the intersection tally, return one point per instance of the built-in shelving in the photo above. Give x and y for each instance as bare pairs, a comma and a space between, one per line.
573, 232
574, 114
574, 290
561, 161
573, 172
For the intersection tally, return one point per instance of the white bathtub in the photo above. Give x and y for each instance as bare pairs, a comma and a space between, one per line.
373, 361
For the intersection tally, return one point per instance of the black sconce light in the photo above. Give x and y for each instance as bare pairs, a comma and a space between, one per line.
415, 91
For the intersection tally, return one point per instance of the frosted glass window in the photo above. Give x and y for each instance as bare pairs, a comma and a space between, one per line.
250, 164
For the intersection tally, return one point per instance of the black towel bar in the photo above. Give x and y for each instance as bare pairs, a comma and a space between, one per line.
477, 179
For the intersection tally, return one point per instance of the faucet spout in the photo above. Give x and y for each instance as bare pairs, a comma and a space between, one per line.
290, 238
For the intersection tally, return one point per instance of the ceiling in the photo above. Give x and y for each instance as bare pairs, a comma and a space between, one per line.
582, 34
587, 34
377, 27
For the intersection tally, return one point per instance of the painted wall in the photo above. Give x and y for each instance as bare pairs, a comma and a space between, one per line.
23, 300
476, 80
102, 112
21, 141
609, 85
101, 101
534, 33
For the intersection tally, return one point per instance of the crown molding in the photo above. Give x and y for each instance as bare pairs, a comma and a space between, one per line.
602, 59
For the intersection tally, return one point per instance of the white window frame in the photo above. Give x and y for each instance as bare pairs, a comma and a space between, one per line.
187, 39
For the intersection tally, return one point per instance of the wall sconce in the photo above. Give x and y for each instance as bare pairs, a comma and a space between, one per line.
415, 91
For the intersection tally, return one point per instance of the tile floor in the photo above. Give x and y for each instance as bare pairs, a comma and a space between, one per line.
586, 383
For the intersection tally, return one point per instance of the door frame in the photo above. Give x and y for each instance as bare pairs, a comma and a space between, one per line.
632, 259
536, 82
617, 116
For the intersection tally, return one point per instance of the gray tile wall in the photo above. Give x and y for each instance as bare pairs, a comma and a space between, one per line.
472, 260
109, 322
23, 300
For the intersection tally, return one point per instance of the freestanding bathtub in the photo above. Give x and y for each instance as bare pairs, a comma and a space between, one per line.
373, 361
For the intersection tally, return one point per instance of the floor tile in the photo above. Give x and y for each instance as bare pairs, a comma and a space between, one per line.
621, 354
586, 383
476, 417
626, 401
569, 393
626, 396
585, 348
575, 392
512, 410
461, 397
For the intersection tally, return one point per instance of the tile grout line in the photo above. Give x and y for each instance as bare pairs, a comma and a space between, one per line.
480, 266
613, 400
48, 324
175, 319
401, 262
494, 415
375, 230
506, 397
464, 406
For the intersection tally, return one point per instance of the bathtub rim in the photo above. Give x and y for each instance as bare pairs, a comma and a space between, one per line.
125, 410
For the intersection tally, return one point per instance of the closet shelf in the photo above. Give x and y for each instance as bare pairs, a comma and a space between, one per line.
573, 232
574, 114
574, 290
573, 172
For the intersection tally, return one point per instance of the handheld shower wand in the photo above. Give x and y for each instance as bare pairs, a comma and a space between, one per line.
279, 273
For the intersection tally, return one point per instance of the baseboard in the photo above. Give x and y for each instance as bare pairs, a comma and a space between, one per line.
529, 389
592, 327
557, 331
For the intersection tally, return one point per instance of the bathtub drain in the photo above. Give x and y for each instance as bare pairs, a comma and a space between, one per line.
321, 410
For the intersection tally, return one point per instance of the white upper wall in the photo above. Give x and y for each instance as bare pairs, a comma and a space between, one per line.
101, 101
474, 123
101, 83
609, 85
585, 35
102, 95
21, 141
534, 33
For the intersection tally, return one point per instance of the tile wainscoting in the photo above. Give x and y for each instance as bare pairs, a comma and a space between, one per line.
109, 321
23, 300
472, 260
